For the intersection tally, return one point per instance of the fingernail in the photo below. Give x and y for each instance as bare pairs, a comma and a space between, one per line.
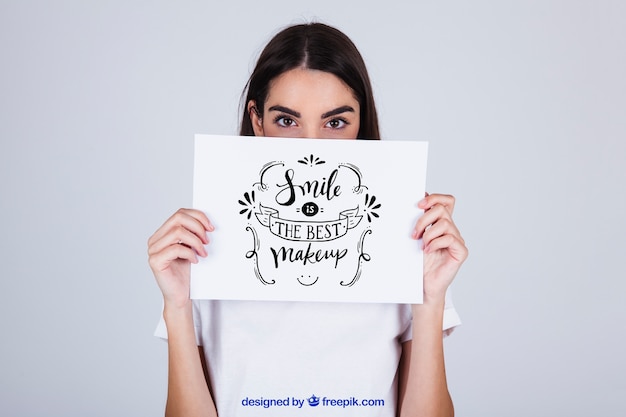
422, 203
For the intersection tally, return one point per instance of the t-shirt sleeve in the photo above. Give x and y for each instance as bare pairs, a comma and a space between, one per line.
451, 319
161, 329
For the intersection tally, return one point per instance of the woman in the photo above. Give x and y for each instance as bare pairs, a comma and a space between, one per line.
273, 358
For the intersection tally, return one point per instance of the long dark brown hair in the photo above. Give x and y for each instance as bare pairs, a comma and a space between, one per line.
314, 46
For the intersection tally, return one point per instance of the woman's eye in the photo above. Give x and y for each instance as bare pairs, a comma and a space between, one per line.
337, 124
285, 121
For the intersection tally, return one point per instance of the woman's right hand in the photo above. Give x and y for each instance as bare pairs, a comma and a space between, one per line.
172, 249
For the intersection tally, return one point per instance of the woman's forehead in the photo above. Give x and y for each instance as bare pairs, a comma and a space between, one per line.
301, 86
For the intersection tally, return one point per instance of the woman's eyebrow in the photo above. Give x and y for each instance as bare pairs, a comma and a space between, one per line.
285, 110
337, 111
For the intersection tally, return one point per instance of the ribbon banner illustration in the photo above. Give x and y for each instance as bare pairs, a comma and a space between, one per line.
310, 231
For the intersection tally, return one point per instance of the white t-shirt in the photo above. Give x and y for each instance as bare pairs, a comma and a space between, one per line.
303, 359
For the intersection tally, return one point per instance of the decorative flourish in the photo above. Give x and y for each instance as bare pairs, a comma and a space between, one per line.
359, 188
248, 205
362, 257
261, 185
370, 208
311, 160
254, 254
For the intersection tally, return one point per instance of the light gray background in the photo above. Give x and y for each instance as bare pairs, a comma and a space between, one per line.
523, 103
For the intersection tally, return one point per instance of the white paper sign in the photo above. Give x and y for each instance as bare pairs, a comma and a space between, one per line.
309, 219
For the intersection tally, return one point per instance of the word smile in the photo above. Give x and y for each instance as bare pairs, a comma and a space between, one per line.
314, 188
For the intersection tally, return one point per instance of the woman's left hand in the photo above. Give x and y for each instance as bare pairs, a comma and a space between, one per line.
444, 248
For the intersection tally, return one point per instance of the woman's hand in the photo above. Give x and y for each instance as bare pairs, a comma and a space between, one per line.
172, 249
444, 248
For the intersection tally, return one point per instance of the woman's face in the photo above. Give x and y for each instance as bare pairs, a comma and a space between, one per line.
304, 103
